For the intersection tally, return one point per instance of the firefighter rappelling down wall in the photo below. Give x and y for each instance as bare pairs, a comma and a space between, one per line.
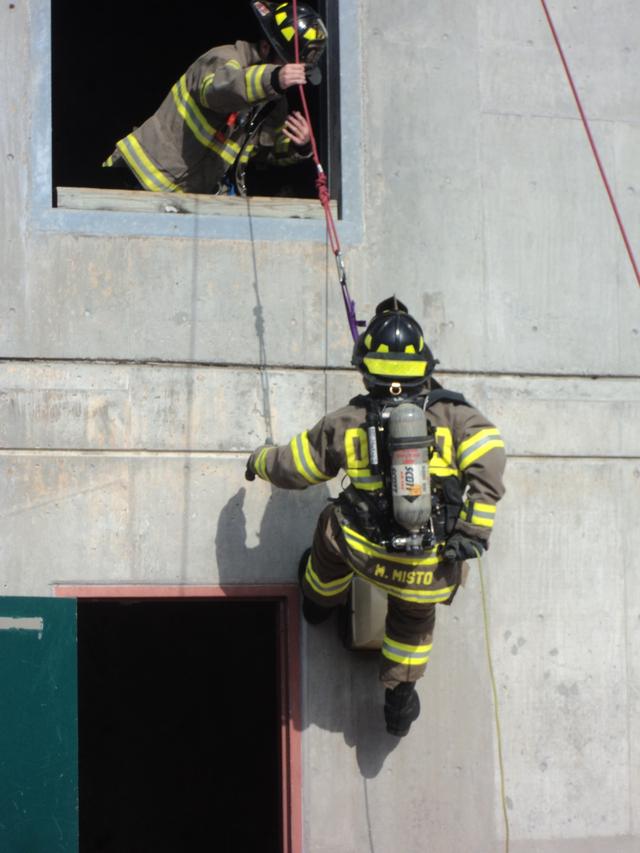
425, 470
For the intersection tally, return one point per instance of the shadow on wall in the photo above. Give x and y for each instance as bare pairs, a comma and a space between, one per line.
342, 691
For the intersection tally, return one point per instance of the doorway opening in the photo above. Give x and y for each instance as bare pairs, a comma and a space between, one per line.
180, 706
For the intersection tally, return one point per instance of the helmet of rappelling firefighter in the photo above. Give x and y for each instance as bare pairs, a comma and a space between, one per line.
391, 353
278, 23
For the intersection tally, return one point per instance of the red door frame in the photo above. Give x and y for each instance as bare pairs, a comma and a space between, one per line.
287, 598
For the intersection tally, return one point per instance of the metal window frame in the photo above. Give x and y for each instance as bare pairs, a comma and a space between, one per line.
43, 216
286, 596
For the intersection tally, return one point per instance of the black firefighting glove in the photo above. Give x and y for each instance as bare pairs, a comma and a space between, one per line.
459, 546
249, 473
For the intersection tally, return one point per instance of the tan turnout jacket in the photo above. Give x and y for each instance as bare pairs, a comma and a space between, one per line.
468, 448
199, 130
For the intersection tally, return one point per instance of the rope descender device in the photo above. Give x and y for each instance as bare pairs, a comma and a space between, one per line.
325, 200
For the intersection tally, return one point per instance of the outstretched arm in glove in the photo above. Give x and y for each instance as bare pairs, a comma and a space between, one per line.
306, 461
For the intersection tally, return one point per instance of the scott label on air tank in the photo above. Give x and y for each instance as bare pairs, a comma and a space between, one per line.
410, 482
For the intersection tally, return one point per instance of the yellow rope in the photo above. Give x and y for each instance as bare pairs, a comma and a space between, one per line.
494, 689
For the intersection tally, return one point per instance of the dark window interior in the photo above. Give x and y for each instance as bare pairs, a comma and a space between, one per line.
178, 726
113, 65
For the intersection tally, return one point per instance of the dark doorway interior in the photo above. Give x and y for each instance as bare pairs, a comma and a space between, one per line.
112, 67
178, 726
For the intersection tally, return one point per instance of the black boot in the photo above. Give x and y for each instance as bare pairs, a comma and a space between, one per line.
313, 613
401, 708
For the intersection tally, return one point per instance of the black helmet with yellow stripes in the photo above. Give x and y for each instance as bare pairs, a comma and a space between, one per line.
391, 353
278, 24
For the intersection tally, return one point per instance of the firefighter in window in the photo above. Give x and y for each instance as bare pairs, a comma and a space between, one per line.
228, 108
425, 470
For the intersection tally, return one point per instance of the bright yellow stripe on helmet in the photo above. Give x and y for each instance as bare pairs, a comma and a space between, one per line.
311, 34
390, 367
383, 348
140, 164
288, 33
280, 17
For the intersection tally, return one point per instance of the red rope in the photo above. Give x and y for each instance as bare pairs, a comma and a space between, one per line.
321, 179
592, 143
324, 195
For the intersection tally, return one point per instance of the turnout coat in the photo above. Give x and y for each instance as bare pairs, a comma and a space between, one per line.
200, 130
469, 456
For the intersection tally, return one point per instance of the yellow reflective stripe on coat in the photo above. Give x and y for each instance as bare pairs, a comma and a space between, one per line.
394, 367
330, 589
140, 164
282, 143
198, 124
206, 82
477, 445
260, 465
478, 513
362, 478
301, 449
404, 653
247, 153
360, 543
253, 83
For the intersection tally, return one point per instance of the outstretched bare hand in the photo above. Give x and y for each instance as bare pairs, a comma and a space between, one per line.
296, 129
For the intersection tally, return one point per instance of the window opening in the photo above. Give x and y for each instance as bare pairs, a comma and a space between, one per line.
178, 726
111, 72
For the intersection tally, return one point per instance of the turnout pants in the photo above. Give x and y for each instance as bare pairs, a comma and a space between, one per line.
414, 585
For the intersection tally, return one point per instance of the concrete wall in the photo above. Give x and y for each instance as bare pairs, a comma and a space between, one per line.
131, 392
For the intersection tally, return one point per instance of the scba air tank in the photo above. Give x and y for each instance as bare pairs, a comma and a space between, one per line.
408, 443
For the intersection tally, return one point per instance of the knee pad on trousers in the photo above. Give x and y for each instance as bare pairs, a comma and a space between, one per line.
401, 708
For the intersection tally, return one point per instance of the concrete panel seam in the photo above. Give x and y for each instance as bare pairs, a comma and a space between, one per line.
551, 117
309, 368
241, 454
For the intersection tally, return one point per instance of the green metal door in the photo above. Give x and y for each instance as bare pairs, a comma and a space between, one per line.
38, 726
